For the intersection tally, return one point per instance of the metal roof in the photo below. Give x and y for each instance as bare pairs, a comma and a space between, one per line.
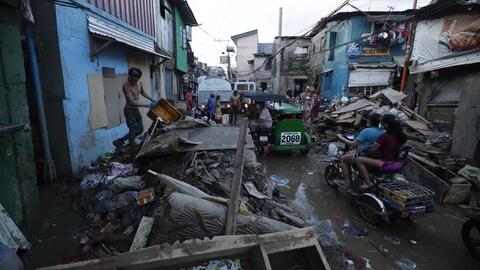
246, 34
122, 34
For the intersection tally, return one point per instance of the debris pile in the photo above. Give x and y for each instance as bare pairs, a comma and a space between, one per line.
429, 146
177, 190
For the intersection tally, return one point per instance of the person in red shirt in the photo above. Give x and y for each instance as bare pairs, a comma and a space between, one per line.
388, 145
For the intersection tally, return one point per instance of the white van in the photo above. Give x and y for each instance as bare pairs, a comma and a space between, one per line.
244, 86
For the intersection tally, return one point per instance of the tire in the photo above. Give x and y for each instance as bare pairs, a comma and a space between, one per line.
331, 174
370, 210
471, 236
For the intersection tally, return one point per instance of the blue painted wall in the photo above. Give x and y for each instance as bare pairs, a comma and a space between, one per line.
336, 82
85, 144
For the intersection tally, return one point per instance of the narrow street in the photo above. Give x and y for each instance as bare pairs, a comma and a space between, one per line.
437, 235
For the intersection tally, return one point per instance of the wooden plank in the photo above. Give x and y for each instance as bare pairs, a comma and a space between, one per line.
420, 127
143, 234
233, 204
97, 117
165, 255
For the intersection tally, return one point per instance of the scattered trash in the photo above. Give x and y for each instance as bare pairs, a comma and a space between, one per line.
9, 259
405, 264
228, 264
351, 230
325, 232
92, 180
392, 239
380, 248
146, 196
118, 169
413, 242
349, 265
332, 150
280, 181
367, 263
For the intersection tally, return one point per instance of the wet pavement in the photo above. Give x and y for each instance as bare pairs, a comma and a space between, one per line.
431, 242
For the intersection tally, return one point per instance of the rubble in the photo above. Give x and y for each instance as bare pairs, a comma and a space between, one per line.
178, 185
429, 146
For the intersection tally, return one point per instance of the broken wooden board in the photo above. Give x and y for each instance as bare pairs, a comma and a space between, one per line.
211, 138
143, 234
262, 252
253, 191
362, 103
420, 127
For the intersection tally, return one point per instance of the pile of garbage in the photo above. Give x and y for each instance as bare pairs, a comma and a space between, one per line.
429, 145
176, 191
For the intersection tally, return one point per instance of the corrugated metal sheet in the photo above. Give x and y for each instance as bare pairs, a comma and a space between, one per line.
121, 34
137, 13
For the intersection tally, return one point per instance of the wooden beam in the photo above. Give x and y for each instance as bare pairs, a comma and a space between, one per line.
143, 234
233, 204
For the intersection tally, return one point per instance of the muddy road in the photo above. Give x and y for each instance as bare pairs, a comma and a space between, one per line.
431, 242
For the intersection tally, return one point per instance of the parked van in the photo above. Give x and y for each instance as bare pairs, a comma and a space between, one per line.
244, 86
218, 87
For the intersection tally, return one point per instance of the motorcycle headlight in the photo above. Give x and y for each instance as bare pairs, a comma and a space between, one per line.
228, 105
246, 105
203, 106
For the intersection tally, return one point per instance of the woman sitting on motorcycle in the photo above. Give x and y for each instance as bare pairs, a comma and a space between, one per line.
365, 139
388, 145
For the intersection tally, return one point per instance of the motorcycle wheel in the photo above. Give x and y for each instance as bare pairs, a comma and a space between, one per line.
471, 236
369, 210
331, 174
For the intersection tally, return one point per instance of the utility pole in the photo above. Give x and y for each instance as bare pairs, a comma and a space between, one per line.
279, 54
408, 51
230, 49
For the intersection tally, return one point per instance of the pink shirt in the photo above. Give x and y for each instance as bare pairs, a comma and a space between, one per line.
266, 118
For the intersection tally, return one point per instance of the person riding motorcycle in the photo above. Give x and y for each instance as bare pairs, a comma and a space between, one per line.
388, 145
363, 142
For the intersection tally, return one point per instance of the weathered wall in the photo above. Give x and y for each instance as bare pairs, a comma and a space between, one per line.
347, 30
48, 52
85, 144
18, 192
246, 47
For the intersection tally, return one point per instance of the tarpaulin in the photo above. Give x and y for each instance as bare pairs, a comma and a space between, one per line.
445, 42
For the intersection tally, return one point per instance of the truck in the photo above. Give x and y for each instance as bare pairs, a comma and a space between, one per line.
218, 87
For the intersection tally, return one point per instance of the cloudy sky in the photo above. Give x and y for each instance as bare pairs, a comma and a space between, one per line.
221, 19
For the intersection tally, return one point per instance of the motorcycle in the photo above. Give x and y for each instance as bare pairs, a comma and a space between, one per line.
471, 234
392, 198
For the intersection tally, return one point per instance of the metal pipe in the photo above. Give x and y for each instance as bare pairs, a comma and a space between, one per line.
49, 166
403, 83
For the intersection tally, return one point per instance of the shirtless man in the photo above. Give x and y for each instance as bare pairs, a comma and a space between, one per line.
234, 107
132, 89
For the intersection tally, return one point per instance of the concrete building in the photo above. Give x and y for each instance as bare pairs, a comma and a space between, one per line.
316, 57
18, 192
364, 67
446, 67
262, 66
295, 69
246, 44
93, 46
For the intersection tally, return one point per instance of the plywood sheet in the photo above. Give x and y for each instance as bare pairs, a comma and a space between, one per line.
97, 117
112, 101
212, 138
420, 127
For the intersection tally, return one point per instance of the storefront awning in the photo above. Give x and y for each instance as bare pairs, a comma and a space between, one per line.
123, 35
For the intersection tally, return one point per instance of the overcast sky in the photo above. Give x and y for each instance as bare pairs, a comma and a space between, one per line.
221, 19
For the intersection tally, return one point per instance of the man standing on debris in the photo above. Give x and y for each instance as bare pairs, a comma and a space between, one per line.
365, 139
189, 101
234, 107
132, 89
